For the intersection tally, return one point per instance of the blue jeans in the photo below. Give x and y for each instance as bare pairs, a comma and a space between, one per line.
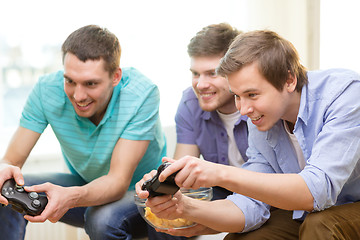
116, 220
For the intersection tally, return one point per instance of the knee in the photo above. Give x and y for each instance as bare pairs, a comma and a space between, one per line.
314, 221
97, 222
318, 225
104, 222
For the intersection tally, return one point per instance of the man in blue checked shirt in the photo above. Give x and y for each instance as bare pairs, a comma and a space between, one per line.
302, 178
106, 120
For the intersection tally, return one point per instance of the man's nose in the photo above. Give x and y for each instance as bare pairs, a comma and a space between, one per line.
203, 82
79, 93
243, 106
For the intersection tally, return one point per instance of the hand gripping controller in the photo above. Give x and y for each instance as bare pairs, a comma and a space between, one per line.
157, 188
30, 203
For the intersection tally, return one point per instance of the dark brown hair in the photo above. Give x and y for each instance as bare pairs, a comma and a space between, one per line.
93, 42
276, 58
212, 40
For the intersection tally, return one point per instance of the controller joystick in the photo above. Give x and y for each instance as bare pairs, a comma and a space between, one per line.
29, 203
157, 188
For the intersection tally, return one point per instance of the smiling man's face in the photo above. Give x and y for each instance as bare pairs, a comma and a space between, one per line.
258, 99
211, 90
88, 86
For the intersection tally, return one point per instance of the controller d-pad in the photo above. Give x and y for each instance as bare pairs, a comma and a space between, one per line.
8, 191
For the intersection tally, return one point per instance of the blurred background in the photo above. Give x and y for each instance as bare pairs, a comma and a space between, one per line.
154, 35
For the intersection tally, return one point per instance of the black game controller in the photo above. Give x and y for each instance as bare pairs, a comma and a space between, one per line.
157, 188
29, 203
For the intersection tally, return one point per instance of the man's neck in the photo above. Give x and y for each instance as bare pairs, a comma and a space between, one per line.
292, 109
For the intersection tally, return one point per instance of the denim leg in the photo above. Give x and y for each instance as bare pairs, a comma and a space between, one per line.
12, 225
117, 220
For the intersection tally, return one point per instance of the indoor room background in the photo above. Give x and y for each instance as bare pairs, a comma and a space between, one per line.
153, 35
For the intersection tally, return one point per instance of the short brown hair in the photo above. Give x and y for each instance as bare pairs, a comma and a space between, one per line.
212, 40
276, 57
93, 42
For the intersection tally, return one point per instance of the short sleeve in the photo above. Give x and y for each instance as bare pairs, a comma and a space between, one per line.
33, 116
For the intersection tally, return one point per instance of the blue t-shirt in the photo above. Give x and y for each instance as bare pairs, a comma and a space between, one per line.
328, 131
206, 130
132, 113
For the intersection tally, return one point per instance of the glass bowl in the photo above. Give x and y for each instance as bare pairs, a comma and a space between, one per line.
204, 194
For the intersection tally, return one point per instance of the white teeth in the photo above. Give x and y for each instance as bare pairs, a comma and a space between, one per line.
207, 94
82, 105
255, 119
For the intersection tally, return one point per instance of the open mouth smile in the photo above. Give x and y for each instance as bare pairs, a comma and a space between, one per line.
83, 106
207, 95
257, 118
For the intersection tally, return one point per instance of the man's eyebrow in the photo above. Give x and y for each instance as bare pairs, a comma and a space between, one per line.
207, 71
89, 80
250, 90
210, 71
246, 91
66, 77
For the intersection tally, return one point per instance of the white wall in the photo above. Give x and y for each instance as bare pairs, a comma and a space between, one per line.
340, 35
295, 20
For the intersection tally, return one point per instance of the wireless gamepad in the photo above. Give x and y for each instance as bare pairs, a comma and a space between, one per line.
29, 203
157, 188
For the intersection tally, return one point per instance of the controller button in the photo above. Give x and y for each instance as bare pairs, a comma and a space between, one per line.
10, 189
20, 189
33, 195
36, 203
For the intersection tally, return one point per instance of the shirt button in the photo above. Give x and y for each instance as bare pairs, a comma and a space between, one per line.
223, 159
222, 134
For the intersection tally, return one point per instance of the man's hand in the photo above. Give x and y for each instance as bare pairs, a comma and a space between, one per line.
60, 200
167, 206
143, 193
8, 171
194, 172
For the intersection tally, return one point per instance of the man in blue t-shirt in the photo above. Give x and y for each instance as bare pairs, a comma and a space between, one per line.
304, 150
106, 120
207, 121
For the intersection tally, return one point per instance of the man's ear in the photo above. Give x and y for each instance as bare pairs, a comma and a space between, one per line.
116, 76
291, 82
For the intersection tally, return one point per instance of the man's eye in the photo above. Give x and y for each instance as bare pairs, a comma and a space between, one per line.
213, 74
252, 95
69, 81
194, 74
91, 84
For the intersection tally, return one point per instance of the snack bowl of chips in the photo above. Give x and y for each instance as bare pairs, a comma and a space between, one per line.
203, 194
